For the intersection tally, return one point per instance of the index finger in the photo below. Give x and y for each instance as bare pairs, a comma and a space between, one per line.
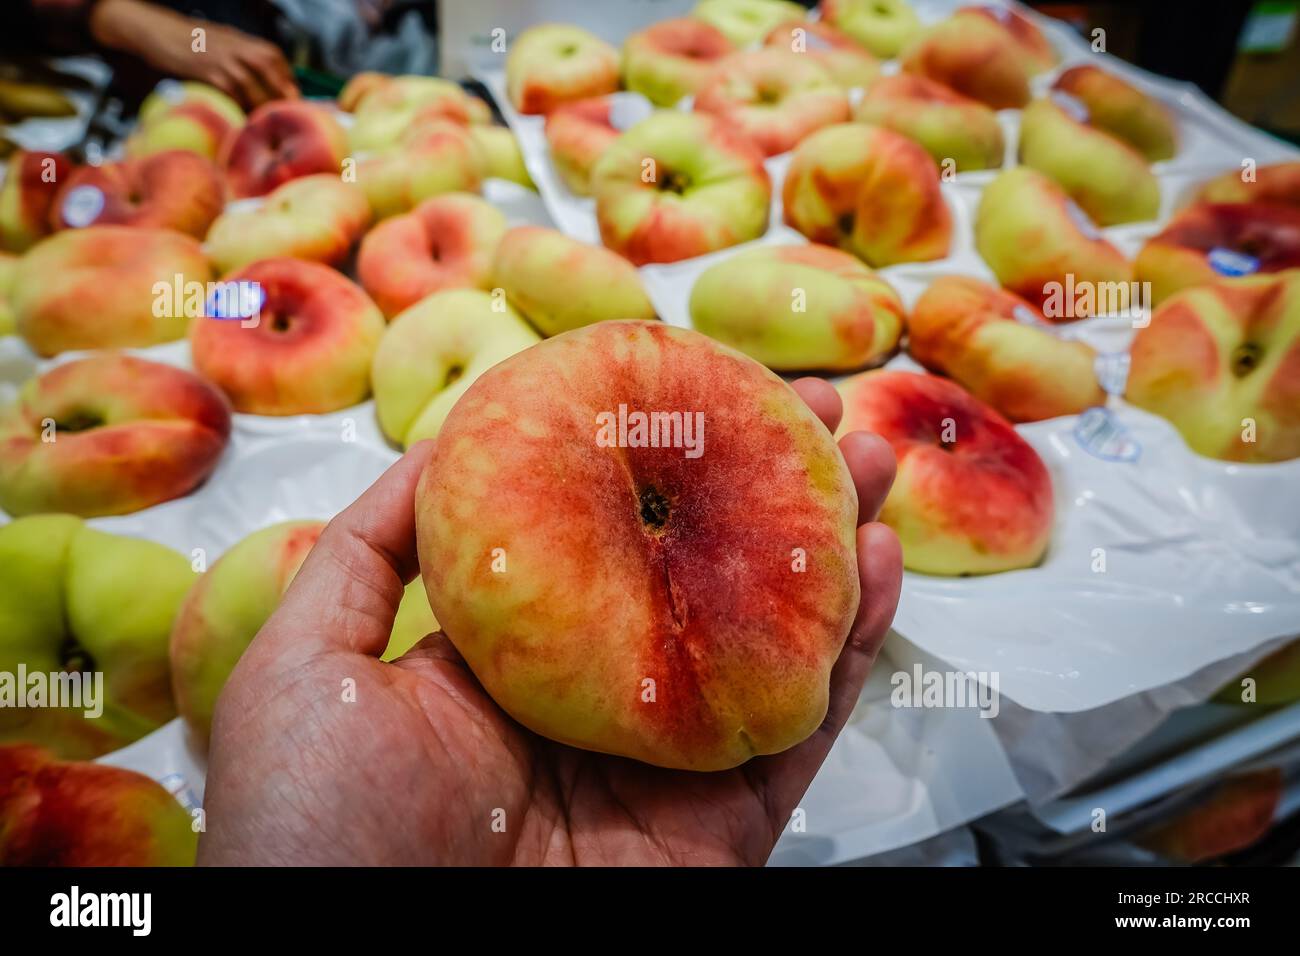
346, 594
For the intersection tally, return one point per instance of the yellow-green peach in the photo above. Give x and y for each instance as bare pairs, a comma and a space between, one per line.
558, 283
884, 27
672, 59
75, 600
434, 351
745, 22
952, 128
1109, 179
317, 218
1122, 110
1037, 242
554, 63
797, 308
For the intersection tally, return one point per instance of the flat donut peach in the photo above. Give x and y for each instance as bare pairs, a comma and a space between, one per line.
446, 242
578, 134
172, 189
774, 96
306, 351
971, 495
126, 434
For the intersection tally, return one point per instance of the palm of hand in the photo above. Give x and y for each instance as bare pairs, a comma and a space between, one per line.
323, 754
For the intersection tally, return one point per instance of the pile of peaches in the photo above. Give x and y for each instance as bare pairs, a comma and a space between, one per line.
367, 264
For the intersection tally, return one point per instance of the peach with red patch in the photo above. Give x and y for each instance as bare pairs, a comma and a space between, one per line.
1236, 814
848, 63
446, 242
1210, 241
578, 134
971, 496
678, 185
1034, 48
172, 189
774, 96
282, 140
128, 433
553, 63
979, 55
949, 125
61, 813
307, 351
31, 182
651, 609
672, 59
1121, 109
1277, 184
997, 345
869, 191
106, 287
1221, 362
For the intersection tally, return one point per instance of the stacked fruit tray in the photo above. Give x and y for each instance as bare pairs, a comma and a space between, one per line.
1163, 558
1106, 544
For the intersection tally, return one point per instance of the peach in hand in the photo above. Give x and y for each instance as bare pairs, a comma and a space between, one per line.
655, 603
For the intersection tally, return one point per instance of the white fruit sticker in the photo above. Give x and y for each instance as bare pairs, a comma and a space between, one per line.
628, 109
1230, 262
1103, 436
1071, 104
1111, 369
170, 90
83, 206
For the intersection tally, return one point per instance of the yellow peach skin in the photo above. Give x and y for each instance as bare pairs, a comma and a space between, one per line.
799, 307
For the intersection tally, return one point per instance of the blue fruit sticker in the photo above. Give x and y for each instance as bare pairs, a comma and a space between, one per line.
1230, 262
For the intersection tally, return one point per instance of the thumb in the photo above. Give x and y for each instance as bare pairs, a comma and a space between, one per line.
346, 594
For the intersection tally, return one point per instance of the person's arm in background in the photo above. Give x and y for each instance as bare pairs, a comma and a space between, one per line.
250, 69
247, 67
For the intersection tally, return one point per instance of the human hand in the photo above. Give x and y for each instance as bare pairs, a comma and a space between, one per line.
422, 765
248, 68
